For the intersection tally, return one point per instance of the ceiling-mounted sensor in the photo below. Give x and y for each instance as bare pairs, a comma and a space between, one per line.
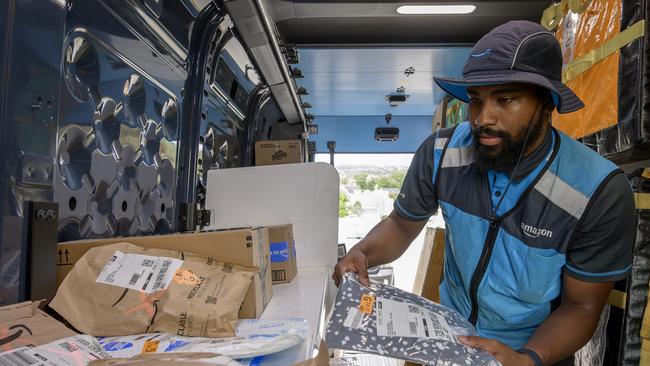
396, 99
296, 73
435, 9
409, 71
302, 91
292, 56
386, 134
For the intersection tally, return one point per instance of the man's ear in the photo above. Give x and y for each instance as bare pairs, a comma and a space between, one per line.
547, 102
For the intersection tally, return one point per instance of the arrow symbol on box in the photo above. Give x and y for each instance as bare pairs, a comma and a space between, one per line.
67, 260
60, 256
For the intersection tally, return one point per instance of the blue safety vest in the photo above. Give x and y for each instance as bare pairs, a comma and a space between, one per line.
503, 272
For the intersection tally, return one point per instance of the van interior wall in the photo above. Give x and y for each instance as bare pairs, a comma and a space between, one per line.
269, 124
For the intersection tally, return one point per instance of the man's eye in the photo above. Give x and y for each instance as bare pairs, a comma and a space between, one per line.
474, 101
506, 100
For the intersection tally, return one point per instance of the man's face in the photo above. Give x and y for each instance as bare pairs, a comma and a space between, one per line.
502, 114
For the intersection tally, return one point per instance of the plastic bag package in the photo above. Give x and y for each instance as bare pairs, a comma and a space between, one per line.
169, 359
387, 321
255, 337
78, 350
606, 53
82, 350
579, 34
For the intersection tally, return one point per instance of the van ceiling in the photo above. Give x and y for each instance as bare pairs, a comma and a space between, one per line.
338, 22
354, 81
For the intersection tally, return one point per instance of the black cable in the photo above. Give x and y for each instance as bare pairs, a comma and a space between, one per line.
521, 155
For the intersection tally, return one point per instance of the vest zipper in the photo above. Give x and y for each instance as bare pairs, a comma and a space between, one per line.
483, 262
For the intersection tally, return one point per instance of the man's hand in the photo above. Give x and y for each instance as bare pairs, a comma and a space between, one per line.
355, 261
504, 354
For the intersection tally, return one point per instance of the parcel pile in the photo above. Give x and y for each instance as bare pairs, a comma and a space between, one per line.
134, 304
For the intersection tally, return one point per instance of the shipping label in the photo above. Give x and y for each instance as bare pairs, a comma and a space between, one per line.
72, 351
139, 272
398, 319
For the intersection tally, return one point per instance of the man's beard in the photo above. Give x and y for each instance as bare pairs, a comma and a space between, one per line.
503, 157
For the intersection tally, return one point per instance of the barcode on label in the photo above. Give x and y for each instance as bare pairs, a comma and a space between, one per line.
435, 324
68, 346
439, 330
413, 327
354, 319
17, 358
279, 275
147, 262
211, 300
134, 279
146, 282
161, 275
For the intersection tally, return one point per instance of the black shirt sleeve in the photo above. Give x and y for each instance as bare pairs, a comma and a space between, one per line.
417, 199
601, 249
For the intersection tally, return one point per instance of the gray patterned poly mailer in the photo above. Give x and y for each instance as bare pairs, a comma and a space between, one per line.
387, 321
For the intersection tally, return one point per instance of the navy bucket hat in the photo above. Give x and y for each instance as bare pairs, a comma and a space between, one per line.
515, 52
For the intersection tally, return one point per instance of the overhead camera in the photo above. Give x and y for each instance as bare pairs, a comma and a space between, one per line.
396, 99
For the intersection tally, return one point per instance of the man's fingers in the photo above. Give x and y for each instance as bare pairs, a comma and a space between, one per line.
340, 270
337, 278
489, 345
362, 271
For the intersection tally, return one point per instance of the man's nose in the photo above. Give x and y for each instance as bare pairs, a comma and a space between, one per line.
487, 115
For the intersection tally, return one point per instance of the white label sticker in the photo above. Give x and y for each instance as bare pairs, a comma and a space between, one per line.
72, 351
17, 357
398, 319
354, 319
139, 272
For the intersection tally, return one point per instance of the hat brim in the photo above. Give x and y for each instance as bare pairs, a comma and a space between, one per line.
564, 98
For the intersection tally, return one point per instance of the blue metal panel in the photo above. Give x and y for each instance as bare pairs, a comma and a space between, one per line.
355, 81
32, 33
348, 86
356, 134
119, 127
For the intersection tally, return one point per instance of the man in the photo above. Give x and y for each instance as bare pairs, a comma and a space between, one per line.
538, 226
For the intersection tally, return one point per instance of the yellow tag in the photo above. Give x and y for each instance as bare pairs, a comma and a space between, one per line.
367, 303
150, 346
186, 277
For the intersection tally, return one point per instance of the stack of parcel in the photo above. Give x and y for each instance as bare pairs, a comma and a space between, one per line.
606, 54
194, 297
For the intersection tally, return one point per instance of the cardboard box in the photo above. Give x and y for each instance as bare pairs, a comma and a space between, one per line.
278, 152
283, 254
24, 324
245, 247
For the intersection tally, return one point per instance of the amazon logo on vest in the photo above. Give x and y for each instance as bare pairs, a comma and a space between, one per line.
535, 232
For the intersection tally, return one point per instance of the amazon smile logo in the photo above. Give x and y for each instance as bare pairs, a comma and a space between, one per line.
482, 54
535, 232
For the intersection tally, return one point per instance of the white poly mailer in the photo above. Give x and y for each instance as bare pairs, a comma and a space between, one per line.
389, 322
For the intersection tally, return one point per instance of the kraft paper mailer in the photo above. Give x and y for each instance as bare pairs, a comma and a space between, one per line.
24, 324
123, 289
